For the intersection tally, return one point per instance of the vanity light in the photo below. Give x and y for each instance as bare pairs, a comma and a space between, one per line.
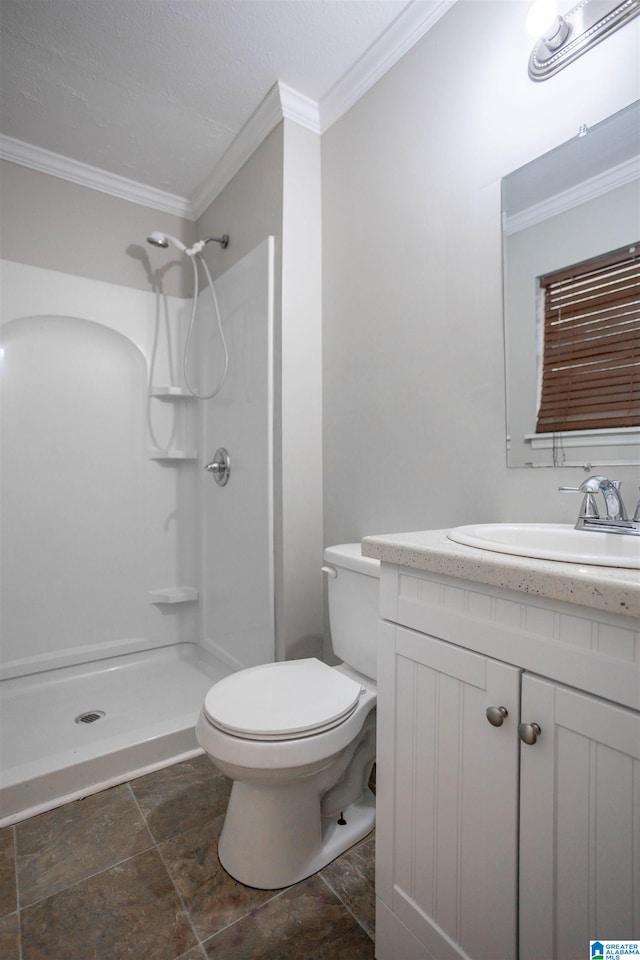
562, 39
544, 22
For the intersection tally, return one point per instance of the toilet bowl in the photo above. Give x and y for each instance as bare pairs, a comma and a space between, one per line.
297, 738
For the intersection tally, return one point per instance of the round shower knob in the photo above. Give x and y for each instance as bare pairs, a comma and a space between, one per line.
220, 466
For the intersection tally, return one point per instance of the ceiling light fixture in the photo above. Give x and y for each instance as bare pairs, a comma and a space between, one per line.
562, 39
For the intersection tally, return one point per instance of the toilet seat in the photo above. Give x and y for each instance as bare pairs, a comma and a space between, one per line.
282, 701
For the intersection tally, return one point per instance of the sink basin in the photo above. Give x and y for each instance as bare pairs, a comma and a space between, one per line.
552, 541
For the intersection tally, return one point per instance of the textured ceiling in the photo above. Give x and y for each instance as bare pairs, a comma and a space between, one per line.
157, 90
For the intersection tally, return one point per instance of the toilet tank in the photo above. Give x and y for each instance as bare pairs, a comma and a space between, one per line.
353, 606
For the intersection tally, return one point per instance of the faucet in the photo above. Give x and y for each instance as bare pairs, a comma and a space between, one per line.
616, 520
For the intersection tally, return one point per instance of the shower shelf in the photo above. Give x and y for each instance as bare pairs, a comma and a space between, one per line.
173, 595
173, 454
171, 393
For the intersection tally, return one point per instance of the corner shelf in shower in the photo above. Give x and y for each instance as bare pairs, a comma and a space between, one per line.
156, 454
173, 595
170, 393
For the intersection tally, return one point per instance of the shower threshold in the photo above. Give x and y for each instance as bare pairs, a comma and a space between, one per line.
71, 732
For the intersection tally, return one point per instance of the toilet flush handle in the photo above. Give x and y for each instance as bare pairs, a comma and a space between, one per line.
330, 571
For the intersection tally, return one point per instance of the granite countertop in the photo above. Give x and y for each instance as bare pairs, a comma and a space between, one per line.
612, 589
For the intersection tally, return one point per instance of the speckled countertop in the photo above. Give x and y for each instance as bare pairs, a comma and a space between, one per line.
612, 589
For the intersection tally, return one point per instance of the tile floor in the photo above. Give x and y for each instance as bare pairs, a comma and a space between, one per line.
133, 872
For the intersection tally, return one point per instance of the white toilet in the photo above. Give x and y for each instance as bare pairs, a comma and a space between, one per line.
298, 740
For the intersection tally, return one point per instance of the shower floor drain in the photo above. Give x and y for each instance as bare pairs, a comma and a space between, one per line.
90, 716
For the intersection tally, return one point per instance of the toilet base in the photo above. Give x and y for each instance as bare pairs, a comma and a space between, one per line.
254, 865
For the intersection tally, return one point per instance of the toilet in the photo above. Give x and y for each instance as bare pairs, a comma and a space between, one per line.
298, 740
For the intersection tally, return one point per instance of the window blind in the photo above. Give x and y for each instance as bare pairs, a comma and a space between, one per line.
591, 352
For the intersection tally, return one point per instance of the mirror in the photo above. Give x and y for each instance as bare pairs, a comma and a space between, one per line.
574, 203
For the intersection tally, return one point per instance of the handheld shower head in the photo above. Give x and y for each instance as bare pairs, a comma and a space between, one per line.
162, 240
158, 240
194, 253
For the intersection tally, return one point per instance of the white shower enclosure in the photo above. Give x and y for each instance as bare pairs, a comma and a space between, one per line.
130, 581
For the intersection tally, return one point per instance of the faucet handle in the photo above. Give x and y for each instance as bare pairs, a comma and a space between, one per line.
589, 509
590, 485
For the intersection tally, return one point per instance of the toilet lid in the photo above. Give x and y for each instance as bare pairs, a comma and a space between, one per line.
280, 701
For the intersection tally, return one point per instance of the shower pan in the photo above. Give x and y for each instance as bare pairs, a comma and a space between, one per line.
52, 754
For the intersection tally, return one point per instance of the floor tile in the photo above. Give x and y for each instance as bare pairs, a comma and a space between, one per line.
307, 922
352, 878
212, 897
10, 937
128, 911
196, 953
8, 900
73, 842
94, 886
180, 797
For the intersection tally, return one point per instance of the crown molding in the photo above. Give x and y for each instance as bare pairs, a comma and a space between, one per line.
54, 164
405, 31
258, 126
589, 189
281, 102
300, 109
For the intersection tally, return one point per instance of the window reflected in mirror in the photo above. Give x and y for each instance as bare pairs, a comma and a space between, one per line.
571, 223
589, 322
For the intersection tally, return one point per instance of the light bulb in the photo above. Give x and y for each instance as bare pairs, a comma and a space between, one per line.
541, 18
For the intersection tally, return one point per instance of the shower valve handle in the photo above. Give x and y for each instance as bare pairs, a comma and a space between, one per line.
220, 467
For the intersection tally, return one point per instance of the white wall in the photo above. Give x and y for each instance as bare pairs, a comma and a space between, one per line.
236, 520
277, 192
249, 209
101, 525
414, 432
299, 426
58, 225
88, 238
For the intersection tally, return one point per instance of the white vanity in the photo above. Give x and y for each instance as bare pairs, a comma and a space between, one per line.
508, 785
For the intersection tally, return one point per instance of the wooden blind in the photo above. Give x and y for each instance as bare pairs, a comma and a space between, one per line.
591, 360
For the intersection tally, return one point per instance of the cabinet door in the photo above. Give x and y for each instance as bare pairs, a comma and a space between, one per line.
580, 823
447, 797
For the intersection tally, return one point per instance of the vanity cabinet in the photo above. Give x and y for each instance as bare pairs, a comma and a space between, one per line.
580, 822
447, 783
491, 848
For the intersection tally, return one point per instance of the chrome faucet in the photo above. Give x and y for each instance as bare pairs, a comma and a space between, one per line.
616, 520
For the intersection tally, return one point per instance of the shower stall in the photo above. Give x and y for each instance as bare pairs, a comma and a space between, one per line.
130, 580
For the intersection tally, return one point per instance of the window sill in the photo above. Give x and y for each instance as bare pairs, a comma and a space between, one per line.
618, 437
588, 449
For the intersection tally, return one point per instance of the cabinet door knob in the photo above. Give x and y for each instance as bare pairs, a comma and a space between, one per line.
496, 715
529, 732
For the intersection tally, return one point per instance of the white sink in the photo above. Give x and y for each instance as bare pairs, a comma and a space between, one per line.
552, 541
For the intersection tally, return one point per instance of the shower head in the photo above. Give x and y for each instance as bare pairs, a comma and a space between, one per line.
158, 240
162, 240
